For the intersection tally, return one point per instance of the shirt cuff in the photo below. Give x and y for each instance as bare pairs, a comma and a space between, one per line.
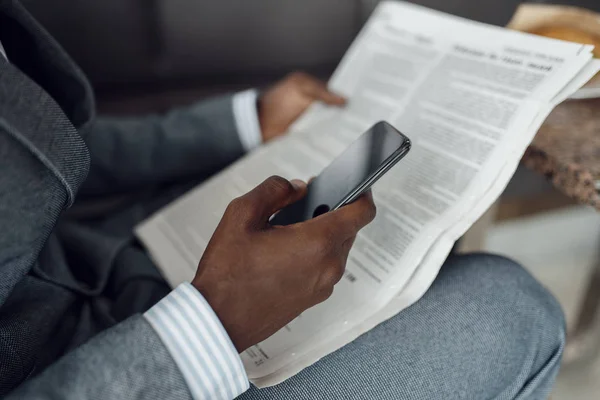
199, 345
246, 119
2, 52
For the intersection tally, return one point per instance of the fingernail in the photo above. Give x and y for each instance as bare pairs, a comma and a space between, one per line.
298, 184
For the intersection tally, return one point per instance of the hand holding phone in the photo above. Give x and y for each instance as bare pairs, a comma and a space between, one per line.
351, 174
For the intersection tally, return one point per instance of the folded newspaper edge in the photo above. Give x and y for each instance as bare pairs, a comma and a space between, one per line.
471, 98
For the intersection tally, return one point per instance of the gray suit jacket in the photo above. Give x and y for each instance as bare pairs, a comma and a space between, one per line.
71, 290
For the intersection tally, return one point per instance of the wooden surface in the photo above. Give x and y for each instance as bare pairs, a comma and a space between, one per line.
567, 150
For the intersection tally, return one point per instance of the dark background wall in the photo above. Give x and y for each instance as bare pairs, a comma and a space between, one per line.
146, 55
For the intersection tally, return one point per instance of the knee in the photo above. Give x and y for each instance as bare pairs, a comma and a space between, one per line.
512, 328
502, 283
508, 306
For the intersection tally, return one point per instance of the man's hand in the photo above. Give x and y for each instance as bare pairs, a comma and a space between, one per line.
258, 277
281, 105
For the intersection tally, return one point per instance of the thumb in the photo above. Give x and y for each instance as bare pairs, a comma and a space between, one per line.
271, 196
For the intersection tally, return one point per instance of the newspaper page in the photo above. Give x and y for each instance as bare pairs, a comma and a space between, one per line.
468, 95
429, 267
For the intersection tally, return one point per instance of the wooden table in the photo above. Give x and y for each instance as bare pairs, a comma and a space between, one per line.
566, 150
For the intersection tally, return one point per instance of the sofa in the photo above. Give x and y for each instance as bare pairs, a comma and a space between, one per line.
148, 55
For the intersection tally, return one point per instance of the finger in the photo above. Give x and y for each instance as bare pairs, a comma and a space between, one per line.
318, 90
350, 219
270, 196
355, 216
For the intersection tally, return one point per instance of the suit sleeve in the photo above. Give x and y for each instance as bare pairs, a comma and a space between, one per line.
177, 350
41, 174
128, 361
133, 152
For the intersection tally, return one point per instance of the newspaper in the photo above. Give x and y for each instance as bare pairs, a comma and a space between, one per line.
470, 96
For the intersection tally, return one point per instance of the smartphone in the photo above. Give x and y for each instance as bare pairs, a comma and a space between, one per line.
351, 174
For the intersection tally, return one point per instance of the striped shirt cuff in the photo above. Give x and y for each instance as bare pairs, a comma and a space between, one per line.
246, 119
2, 52
199, 345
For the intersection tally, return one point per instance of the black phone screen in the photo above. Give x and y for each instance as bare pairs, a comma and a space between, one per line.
350, 174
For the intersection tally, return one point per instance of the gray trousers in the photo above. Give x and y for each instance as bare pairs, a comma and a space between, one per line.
484, 330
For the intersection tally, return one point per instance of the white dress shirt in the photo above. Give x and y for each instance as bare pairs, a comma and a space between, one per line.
246, 118
185, 322
195, 338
